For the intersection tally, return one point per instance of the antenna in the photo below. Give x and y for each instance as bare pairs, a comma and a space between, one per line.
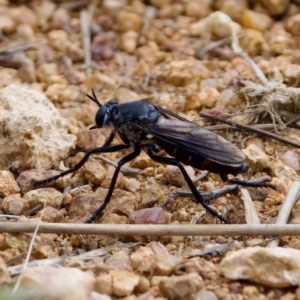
94, 98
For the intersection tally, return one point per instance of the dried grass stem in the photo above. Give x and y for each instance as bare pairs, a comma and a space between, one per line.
154, 230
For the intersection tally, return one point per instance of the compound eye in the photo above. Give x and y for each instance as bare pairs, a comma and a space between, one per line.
101, 116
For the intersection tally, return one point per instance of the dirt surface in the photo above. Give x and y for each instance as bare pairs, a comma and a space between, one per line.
236, 59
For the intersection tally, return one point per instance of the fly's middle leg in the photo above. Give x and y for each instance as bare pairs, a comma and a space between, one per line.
174, 162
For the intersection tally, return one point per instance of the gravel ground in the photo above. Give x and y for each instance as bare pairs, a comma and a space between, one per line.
236, 59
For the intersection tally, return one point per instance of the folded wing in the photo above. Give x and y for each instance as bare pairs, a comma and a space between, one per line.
196, 139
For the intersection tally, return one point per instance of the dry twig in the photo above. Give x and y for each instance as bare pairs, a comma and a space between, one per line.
200, 177
34, 210
79, 188
251, 129
18, 282
213, 45
153, 230
86, 256
250, 211
286, 209
238, 50
86, 39
259, 126
217, 248
74, 4
124, 170
21, 48
15, 258
9, 216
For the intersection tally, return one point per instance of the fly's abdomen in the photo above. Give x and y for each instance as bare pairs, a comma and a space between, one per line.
200, 161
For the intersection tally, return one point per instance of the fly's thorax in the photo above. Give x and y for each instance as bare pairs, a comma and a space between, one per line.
132, 115
148, 140
129, 132
139, 112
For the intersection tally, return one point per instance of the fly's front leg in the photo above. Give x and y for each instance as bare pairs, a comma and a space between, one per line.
83, 161
123, 161
107, 142
225, 178
198, 196
110, 138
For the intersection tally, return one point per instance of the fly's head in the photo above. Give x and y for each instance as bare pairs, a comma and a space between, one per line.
105, 116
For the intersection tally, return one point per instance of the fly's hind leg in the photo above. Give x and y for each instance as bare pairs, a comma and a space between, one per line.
225, 178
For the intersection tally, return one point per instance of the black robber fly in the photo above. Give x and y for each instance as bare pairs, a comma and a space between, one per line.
147, 127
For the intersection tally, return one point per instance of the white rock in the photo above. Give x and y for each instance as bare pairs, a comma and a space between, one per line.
97, 296
174, 176
103, 284
124, 282
257, 158
151, 193
281, 170
50, 195
8, 184
217, 23
154, 260
182, 287
32, 133
15, 205
151, 215
141, 260
4, 274
131, 185
57, 283
129, 41
221, 24
206, 295
124, 95
290, 158
273, 267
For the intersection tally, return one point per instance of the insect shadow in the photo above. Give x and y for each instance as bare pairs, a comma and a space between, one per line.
147, 127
